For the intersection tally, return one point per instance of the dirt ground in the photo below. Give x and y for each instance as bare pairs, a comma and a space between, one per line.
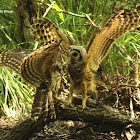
74, 130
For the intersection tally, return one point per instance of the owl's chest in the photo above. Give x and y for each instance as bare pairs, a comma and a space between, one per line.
76, 72
78, 87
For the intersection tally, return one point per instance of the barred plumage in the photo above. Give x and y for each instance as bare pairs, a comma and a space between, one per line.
81, 64
46, 32
40, 67
10, 58
120, 23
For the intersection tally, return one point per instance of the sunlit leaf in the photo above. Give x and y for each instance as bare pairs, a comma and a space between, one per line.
55, 6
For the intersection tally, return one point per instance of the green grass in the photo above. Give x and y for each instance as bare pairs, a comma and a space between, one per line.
15, 96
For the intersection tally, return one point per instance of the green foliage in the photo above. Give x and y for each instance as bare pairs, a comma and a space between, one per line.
116, 62
15, 97
13, 93
8, 24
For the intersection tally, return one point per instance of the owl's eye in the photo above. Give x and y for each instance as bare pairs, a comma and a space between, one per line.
75, 54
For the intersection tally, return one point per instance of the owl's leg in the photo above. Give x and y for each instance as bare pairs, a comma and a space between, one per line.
70, 96
45, 106
84, 86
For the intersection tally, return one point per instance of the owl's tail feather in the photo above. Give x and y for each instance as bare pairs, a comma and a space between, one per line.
37, 105
50, 109
43, 105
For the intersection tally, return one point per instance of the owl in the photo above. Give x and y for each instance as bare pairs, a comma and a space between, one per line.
83, 63
41, 68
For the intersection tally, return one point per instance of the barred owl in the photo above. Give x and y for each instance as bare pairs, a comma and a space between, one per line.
83, 63
42, 68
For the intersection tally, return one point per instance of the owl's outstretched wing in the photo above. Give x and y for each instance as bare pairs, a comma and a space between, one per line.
120, 23
32, 65
48, 58
45, 32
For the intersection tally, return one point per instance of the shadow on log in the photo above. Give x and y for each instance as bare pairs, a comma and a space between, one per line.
102, 114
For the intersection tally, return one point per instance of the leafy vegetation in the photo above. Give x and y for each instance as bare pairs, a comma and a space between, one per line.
14, 94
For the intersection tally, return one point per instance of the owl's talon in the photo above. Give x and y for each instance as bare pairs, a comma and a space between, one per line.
69, 104
59, 99
83, 107
53, 115
34, 119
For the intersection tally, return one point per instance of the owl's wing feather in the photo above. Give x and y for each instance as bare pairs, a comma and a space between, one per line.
38, 66
45, 32
13, 58
120, 23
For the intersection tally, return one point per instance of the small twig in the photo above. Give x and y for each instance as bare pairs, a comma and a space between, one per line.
138, 102
73, 14
121, 50
67, 12
80, 24
117, 100
131, 105
92, 22
136, 70
76, 15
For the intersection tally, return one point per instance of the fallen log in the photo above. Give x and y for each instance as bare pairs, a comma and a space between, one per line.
102, 114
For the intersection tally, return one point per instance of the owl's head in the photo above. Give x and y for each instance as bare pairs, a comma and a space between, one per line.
77, 53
